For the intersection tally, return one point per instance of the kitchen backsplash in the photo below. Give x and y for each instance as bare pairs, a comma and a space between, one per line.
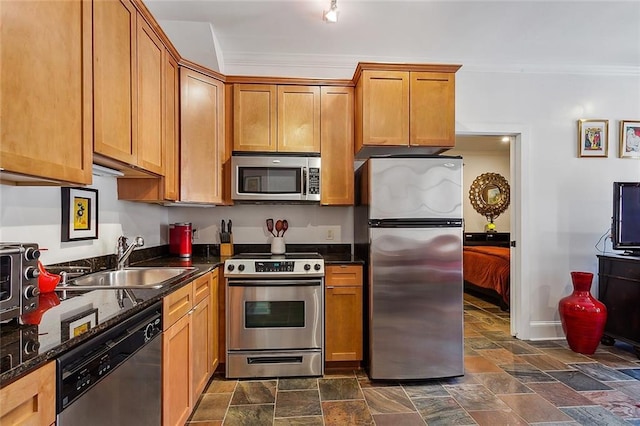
33, 214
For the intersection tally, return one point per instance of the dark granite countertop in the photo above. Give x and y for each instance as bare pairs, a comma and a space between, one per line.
49, 331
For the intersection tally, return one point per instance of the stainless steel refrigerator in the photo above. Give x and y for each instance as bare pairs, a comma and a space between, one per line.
408, 229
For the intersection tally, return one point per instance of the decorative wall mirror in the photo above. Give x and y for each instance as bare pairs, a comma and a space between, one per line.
489, 195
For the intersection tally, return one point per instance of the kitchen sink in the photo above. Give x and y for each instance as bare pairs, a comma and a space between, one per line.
135, 278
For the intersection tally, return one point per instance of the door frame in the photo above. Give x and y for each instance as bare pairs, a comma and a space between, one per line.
519, 164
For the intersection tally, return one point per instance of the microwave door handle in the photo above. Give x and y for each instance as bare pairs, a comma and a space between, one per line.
304, 182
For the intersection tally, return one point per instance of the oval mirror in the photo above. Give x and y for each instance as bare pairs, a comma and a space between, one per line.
489, 195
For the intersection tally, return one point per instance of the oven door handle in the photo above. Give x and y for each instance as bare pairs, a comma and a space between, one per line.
281, 283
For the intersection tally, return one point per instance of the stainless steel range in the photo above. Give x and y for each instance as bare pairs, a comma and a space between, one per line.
275, 315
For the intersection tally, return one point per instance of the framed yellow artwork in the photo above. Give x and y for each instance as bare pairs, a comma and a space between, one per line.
79, 214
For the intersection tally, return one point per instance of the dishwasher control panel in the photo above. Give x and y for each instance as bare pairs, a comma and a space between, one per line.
81, 368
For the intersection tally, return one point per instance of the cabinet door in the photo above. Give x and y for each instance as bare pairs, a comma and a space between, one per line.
432, 109
177, 401
336, 130
114, 56
150, 55
46, 92
171, 145
214, 334
343, 313
298, 119
343, 329
254, 117
385, 108
201, 320
201, 137
31, 400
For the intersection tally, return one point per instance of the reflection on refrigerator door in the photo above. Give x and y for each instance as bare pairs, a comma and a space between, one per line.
416, 317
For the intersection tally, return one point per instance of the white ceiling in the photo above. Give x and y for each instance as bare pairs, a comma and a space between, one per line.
289, 38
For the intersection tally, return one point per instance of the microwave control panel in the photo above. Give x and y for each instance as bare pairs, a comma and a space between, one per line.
314, 180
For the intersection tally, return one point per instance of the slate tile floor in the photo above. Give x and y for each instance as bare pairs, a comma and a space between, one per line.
507, 382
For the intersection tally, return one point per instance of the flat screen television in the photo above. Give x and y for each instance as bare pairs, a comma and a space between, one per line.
625, 226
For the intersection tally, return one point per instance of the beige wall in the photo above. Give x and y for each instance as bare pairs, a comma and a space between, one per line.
475, 164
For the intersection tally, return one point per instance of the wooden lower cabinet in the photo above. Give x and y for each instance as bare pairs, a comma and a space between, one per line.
176, 372
343, 313
214, 333
201, 346
30, 400
186, 352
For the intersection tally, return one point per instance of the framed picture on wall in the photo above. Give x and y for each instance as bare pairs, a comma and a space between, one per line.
630, 139
593, 138
79, 214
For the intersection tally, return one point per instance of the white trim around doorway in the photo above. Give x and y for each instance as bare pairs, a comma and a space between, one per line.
520, 208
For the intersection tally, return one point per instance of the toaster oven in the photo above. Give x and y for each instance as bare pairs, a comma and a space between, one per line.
18, 279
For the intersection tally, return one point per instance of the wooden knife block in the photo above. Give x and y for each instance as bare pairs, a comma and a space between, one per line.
226, 249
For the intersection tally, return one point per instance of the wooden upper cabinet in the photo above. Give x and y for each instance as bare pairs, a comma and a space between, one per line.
254, 117
298, 119
114, 80
46, 94
201, 137
150, 56
385, 107
405, 105
171, 128
336, 129
166, 188
276, 118
432, 109
128, 82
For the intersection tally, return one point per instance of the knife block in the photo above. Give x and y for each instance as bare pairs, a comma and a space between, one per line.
226, 249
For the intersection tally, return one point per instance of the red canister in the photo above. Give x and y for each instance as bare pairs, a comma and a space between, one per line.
180, 239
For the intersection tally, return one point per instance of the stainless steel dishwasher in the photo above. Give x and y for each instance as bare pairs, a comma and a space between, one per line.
114, 378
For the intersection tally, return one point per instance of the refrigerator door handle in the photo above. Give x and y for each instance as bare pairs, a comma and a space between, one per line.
413, 223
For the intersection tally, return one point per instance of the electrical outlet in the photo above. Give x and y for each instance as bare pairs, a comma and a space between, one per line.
330, 235
196, 234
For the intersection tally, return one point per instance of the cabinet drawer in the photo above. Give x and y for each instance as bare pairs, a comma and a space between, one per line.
177, 304
620, 268
343, 275
201, 288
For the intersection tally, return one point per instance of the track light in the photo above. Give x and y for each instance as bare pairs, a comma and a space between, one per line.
331, 15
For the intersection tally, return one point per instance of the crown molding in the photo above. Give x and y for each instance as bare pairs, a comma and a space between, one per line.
344, 65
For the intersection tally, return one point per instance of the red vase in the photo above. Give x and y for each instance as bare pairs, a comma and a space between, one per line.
583, 316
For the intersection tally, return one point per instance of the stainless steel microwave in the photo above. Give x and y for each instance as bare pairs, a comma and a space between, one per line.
275, 177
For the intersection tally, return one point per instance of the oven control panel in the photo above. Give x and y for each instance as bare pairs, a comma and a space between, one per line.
274, 268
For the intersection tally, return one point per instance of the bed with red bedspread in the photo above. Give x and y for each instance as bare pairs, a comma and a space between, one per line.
486, 268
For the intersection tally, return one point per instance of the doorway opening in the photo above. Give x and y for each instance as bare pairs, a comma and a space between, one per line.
498, 150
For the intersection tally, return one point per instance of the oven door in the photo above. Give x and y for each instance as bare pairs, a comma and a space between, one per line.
274, 314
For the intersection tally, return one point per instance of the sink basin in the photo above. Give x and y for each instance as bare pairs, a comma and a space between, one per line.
140, 278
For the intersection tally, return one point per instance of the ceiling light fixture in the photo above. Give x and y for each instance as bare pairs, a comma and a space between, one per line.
331, 15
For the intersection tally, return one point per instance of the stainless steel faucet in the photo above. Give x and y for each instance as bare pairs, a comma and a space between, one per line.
123, 250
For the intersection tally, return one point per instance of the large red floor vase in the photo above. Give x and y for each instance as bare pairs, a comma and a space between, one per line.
583, 316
